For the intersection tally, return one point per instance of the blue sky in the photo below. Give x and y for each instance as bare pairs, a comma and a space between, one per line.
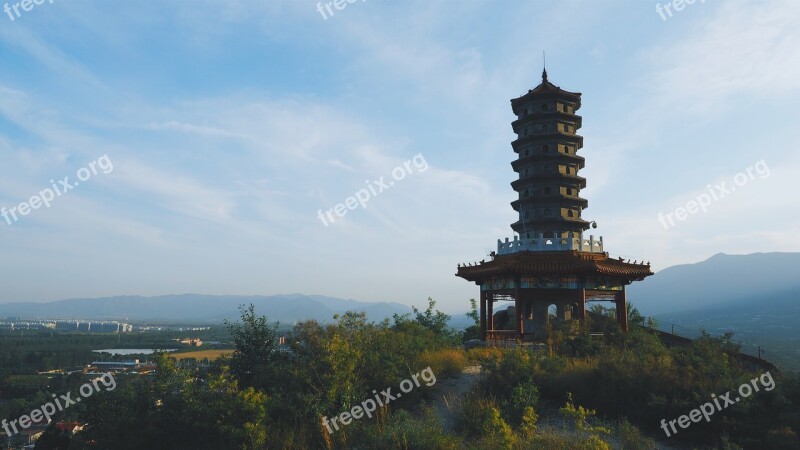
231, 124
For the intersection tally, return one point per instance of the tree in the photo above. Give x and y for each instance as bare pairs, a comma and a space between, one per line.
256, 349
473, 331
473, 313
435, 321
634, 316
176, 409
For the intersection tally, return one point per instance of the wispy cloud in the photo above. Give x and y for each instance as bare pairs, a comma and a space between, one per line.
746, 49
230, 125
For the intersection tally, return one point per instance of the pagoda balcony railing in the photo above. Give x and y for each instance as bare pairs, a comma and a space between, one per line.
502, 335
543, 244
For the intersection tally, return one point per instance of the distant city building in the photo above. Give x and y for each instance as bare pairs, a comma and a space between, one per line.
193, 342
110, 365
89, 326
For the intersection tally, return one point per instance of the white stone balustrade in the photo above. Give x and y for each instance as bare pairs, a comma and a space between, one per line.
543, 244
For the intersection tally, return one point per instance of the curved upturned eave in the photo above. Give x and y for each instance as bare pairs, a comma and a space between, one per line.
554, 263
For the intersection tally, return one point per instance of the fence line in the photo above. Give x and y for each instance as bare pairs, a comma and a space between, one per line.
745, 348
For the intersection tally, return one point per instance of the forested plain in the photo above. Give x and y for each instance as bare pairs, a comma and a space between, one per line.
575, 390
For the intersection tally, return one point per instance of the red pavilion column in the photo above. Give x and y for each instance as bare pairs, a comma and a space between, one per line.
483, 314
518, 305
490, 313
622, 310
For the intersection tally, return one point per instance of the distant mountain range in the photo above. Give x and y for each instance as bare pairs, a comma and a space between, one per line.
759, 283
756, 296
197, 308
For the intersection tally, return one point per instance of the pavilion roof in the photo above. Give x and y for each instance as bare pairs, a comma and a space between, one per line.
559, 263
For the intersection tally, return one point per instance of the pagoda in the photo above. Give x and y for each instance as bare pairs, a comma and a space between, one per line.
549, 262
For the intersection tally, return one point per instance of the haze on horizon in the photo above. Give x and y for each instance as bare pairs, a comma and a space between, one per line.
231, 125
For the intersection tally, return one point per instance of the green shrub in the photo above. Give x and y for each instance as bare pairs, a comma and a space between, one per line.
630, 438
496, 431
594, 442
470, 413
782, 439
404, 431
523, 396
528, 425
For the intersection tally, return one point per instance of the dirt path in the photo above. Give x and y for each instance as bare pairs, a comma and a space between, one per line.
451, 390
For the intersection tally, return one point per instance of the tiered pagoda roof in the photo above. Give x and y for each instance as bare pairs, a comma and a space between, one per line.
557, 263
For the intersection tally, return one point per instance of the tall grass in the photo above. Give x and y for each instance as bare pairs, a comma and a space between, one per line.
445, 363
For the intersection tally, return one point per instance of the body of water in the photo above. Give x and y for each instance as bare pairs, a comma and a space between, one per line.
133, 351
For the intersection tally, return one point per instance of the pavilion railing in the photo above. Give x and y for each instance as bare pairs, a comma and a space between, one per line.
543, 244
502, 335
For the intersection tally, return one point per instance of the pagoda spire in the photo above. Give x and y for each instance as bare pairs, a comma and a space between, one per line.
544, 67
